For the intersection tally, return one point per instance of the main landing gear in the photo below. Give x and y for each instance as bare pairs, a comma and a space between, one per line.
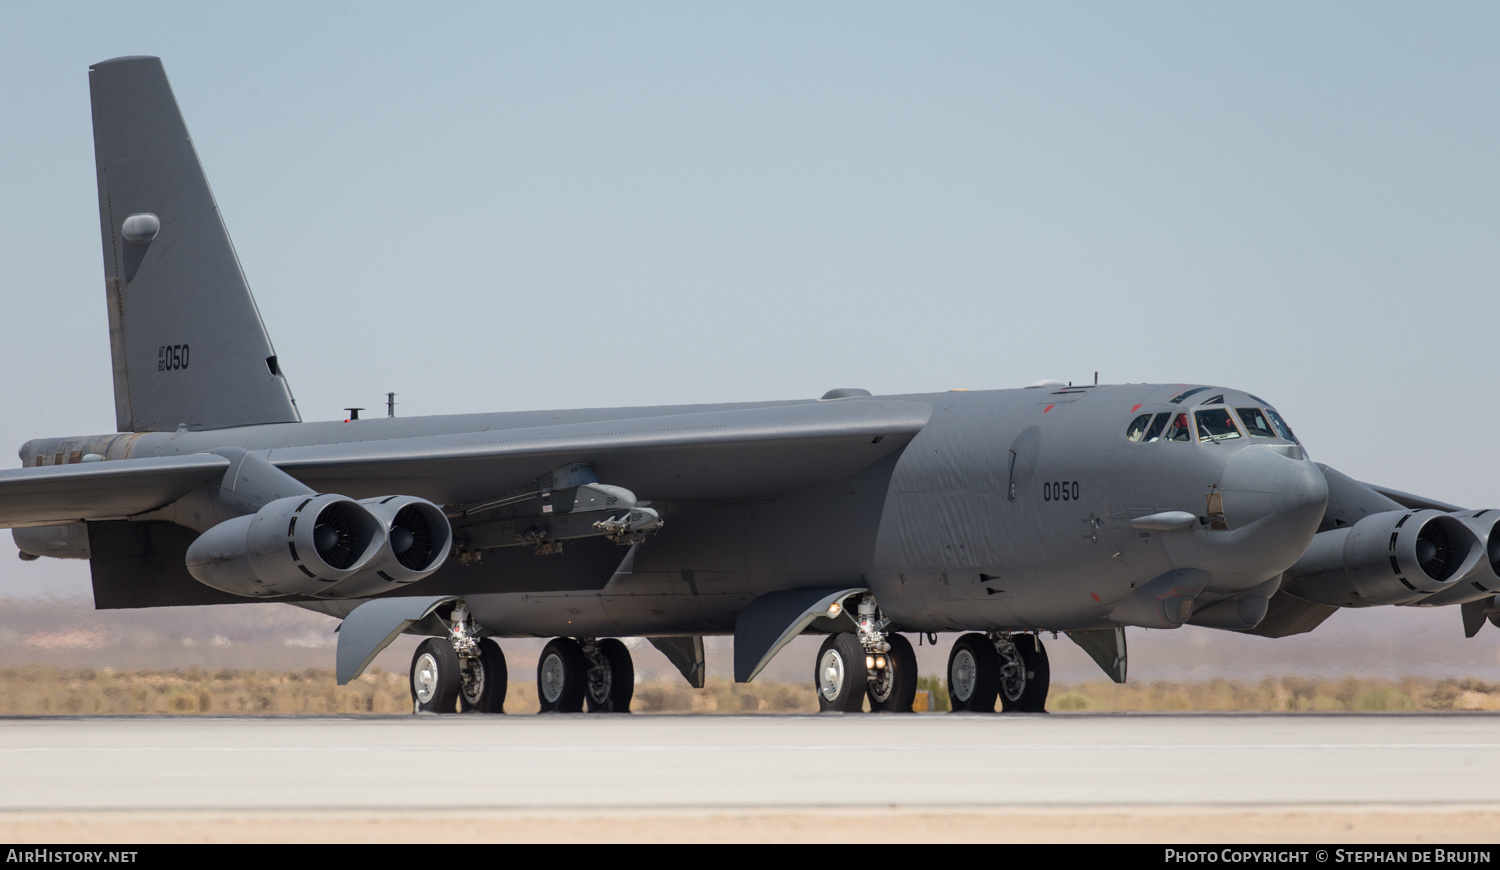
1000, 665
870, 663
464, 673
574, 673
459, 672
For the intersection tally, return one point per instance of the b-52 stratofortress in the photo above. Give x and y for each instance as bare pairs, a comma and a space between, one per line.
1002, 514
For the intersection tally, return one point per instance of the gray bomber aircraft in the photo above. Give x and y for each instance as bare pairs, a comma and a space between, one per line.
1003, 514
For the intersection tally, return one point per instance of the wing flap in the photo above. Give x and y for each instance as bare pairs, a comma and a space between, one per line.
101, 490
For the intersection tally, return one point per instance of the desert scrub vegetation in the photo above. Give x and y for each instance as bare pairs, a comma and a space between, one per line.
1279, 695
46, 691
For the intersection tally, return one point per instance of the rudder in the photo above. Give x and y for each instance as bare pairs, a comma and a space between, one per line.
187, 343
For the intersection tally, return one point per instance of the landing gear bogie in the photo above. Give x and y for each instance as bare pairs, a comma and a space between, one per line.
1010, 668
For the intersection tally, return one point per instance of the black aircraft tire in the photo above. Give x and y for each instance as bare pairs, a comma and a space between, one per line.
839, 674
1038, 676
901, 668
973, 674
562, 676
434, 677
621, 679
485, 691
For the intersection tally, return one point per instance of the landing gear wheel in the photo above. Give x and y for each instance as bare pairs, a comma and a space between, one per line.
1024, 678
973, 674
483, 680
894, 686
840, 676
611, 686
562, 676
434, 677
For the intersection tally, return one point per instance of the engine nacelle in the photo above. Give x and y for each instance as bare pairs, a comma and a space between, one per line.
418, 539
1483, 580
1397, 557
299, 545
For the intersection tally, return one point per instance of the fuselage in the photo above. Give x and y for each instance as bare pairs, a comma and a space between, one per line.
1010, 509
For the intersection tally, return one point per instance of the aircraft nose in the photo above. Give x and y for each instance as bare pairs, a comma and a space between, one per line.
1278, 486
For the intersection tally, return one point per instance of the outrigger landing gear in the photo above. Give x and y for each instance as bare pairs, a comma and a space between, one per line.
461, 671
598, 672
870, 663
1010, 667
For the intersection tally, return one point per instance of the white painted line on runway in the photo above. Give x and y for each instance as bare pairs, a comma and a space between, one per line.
748, 747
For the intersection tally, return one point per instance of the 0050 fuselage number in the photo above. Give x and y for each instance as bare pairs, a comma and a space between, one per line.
171, 357
1060, 490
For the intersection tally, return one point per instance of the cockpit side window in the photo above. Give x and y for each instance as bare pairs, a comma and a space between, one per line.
1160, 423
1255, 423
1282, 428
1137, 428
1180, 429
1214, 424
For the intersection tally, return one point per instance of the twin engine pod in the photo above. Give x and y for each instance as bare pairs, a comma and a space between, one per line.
1397, 557
326, 546
1484, 580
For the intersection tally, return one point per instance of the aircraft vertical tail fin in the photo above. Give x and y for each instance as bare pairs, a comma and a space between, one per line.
186, 340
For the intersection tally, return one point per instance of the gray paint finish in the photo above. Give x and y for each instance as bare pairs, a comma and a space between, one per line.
1003, 510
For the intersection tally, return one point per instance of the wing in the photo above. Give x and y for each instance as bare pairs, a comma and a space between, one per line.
727, 454
101, 490
1414, 502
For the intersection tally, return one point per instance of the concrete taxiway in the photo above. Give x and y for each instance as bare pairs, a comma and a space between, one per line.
531, 768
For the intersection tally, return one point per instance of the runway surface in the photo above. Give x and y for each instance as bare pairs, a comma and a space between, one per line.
744, 761
944, 767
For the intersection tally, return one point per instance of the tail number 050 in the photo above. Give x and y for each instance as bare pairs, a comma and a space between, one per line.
1060, 490
171, 357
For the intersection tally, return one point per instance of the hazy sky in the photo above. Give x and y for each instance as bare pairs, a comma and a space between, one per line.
503, 206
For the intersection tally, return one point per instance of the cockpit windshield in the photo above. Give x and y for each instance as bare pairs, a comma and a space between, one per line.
1214, 424
1255, 422
1282, 428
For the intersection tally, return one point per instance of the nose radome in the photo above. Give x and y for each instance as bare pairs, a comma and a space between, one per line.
1265, 484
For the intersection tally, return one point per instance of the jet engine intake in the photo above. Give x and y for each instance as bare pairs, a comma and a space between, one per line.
418, 539
1396, 557
1483, 580
299, 545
